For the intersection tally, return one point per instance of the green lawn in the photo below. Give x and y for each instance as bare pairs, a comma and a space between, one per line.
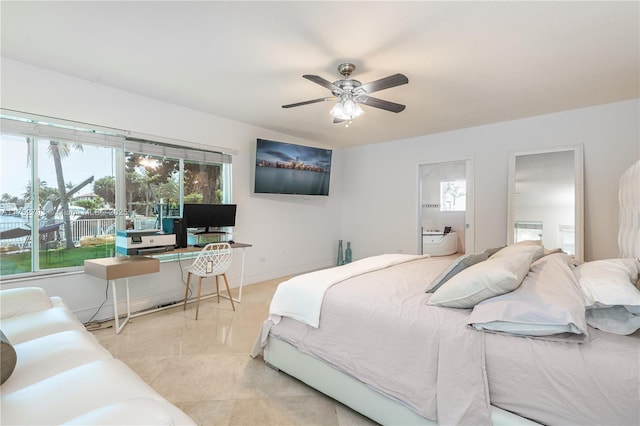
18, 263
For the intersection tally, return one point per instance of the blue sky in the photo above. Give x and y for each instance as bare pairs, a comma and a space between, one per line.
14, 174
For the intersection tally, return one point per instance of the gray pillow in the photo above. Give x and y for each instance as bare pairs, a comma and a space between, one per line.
491, 251
7, 358
458, 265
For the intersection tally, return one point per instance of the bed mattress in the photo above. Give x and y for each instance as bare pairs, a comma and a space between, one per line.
377, 328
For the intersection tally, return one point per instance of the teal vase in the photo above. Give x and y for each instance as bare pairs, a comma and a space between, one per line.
340, 254
347, 253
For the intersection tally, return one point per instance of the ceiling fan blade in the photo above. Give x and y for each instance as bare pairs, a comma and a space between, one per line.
322, 82
384, 83
312, 101
379, 103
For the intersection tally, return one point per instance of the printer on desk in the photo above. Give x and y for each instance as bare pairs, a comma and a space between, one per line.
141, 242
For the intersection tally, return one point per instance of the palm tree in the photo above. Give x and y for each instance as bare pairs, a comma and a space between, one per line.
58, 151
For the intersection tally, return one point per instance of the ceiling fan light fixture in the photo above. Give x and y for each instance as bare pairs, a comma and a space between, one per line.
338, 110
351, 93
346, 109
358, 111
349, 107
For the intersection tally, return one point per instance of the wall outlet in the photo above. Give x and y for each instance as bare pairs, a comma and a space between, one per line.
209, 266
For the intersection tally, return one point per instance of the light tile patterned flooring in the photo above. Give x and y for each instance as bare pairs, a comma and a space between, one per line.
205, 369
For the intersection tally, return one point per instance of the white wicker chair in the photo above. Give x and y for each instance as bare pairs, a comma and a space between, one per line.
213, 260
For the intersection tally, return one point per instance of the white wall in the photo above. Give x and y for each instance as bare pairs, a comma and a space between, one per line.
290, 234
374, 189
380, 187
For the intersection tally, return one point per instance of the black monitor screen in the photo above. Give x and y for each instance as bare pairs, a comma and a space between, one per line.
209, 216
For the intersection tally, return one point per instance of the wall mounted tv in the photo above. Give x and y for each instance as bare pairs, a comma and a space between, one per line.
209, 216
285, 168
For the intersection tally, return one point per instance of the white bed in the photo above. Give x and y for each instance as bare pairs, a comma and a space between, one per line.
404, 361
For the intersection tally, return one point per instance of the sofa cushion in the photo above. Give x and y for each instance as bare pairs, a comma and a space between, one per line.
88, 387
32, 325
20, 301
8, 358
48, 355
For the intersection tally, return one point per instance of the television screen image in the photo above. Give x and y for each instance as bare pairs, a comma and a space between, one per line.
209, 216
284, 168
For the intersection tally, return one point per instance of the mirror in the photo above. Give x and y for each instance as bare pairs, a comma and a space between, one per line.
445, 222
546, 199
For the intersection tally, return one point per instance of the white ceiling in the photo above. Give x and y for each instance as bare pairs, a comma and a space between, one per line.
468, 63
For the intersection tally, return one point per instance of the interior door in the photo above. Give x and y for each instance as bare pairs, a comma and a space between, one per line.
446, 200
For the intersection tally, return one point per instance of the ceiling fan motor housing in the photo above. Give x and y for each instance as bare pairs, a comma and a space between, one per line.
346, 86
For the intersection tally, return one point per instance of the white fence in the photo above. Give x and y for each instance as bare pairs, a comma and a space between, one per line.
79, 228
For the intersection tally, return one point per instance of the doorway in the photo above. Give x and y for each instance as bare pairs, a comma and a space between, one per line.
445, 219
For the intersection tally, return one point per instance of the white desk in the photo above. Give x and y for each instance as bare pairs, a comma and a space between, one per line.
113, 268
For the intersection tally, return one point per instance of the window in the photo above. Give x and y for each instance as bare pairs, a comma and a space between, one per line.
70, 214
453, 195
567, 238
16, 188
152, 190
527, 231
89, 183
203, 183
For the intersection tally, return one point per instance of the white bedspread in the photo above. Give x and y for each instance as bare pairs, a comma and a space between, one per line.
300, 298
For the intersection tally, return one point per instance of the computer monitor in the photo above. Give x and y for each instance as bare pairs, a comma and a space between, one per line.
209, 216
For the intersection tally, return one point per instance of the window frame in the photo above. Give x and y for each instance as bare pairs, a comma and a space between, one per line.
48, 128
443, 207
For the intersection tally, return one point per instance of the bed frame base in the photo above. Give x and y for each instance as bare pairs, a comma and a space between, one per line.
271, 366
285, 357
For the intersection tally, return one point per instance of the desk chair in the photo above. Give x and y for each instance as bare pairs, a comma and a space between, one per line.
213, 260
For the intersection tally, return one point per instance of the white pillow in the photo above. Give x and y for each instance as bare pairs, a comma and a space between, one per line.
483, 280
529, 246
548, 303
610, 282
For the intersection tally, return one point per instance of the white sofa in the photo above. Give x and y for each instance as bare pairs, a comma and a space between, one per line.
62, 375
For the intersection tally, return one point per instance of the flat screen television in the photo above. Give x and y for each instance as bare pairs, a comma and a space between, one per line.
285, 168
209, 216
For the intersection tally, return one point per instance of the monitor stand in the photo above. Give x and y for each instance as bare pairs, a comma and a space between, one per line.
209, 231
211, 236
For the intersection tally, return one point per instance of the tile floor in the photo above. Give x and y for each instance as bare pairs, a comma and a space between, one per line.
204, 366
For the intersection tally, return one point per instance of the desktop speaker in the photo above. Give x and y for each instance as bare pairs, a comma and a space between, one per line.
176, 226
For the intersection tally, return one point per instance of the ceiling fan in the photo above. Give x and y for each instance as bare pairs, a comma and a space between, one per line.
351, 94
